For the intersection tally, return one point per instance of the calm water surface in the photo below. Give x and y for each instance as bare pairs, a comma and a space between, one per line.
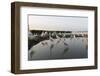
64, 48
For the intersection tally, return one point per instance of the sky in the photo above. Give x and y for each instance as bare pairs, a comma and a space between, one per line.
57, 23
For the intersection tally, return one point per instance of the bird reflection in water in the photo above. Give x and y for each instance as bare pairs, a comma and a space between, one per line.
86, 47
32, 53
65, 50
51, 47
85, 42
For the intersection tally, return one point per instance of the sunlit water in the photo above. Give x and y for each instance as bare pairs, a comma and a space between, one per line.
64, 48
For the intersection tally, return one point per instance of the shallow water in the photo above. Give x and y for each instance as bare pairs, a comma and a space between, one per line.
64, 48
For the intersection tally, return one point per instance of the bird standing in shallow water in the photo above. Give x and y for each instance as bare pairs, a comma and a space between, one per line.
42, 43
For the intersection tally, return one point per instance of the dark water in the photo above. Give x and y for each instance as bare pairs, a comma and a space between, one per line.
64, 48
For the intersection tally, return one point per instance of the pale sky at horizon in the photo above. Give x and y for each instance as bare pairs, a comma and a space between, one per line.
58, 23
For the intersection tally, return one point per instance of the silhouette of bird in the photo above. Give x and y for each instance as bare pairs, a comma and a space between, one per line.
57, 37
51, 39
65, 44
46, 43
42, 34
64, 35
42, 43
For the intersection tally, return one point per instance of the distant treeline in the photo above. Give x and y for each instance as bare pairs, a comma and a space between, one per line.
40, 31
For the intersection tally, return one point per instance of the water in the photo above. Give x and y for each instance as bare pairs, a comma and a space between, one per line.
62, 48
